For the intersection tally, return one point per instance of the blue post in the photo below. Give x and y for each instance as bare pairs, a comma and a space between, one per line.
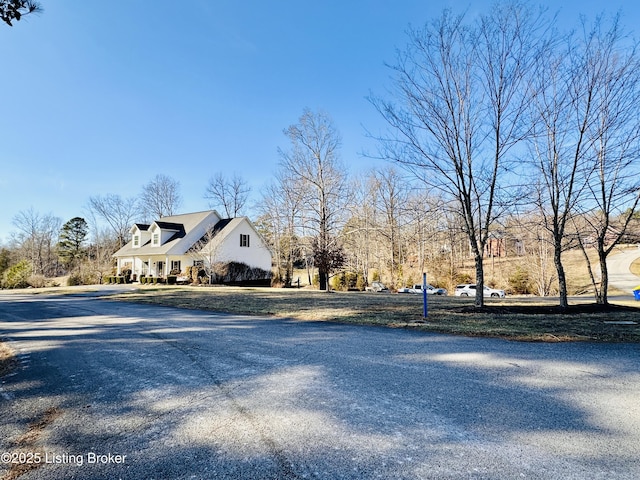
424, 295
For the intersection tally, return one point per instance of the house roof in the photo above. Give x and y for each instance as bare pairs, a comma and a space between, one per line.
141, 226
169, 225
182, 226
219, 231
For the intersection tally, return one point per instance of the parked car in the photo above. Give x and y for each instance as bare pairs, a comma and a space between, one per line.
469, 290
377, 287
417, 288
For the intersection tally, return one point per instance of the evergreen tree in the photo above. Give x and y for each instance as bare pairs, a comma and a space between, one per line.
72, 237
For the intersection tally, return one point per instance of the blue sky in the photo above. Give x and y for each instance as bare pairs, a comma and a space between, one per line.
100, 96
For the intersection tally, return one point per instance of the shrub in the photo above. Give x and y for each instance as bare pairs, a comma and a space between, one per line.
339, 281
463, 278
234, 272
17, 276
520, 281
36, 281
74, 280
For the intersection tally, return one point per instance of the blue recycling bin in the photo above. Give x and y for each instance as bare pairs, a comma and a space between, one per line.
636, 293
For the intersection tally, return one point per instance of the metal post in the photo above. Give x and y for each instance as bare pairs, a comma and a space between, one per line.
425, 309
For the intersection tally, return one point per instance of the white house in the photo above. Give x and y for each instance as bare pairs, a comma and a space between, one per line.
178, 241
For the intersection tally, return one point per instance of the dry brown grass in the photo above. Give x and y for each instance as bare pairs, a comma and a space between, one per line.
635, 268
530, 319
7, 359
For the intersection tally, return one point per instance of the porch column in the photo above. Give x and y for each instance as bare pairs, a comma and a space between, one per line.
166, 266
149, 267
117, 266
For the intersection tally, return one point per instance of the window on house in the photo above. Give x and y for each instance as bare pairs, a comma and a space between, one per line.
175, 265
198, 263
136, 240
156, 239
244, 240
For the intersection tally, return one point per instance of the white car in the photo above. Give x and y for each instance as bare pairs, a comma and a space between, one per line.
377, 287
431, 290
469, 290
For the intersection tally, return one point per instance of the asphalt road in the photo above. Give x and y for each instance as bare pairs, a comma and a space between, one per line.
164, 393
620, 275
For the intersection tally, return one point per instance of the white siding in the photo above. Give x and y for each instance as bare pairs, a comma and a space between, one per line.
255, 255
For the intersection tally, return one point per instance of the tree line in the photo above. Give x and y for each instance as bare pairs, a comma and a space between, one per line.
505, 135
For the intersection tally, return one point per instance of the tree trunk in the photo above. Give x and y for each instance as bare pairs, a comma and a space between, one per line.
322, 278
479, 279
601, 298
562, 279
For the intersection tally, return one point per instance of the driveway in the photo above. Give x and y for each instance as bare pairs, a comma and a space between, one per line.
111, 390
619, 274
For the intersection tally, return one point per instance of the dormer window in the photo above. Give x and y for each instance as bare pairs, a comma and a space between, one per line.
156, 239
136, 240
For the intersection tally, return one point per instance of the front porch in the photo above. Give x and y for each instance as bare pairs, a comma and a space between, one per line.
150, 266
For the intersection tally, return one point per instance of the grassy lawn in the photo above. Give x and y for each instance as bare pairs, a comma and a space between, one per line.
517, 318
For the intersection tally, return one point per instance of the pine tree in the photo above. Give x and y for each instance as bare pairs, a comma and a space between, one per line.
72, 236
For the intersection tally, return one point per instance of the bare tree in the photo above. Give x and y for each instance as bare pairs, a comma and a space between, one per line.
118, 212
390, 198
102, 245
586, 138
313, 159
160, 197
230, 194
281, 206
36, 239
614, 188
461, 109
206, 251
359, 235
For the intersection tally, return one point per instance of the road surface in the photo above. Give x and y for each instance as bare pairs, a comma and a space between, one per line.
109, 390
619, 274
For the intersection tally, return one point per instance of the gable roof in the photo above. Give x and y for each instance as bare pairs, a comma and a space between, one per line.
189, 227
218, 233
143, 227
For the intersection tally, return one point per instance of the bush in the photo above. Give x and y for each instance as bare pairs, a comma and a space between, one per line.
74, 280
463, 278
17, 276
36, 281
339, 281
237, 272
347, 281
520, 281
